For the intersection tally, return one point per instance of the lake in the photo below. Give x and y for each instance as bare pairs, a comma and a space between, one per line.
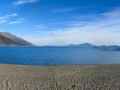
47, 56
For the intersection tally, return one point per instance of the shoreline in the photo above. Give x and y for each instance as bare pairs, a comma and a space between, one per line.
62, 77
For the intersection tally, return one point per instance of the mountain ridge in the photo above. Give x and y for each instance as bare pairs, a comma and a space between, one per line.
7, 39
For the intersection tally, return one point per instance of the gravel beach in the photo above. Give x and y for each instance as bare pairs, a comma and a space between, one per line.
64, 77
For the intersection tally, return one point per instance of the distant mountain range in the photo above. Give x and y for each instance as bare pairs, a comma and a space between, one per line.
81, 45
7, 39
108, 48
103, 47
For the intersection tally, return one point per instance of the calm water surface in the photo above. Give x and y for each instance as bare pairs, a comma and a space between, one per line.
57, 56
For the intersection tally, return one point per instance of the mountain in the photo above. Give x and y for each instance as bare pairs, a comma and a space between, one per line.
8, 39
108, 48
81, 45
85, 45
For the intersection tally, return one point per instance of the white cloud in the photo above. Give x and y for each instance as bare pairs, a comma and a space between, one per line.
74, 8
3, 19
19, 2
8, 16
66, 9
17, 21
104, 29
40, 26
21, 19
15, 14
11, 15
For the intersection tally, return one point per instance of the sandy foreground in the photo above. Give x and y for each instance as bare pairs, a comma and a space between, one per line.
66, 77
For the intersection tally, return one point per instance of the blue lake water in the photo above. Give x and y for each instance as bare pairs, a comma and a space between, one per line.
57, 56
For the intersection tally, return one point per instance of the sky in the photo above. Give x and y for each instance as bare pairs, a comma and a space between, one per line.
62, 22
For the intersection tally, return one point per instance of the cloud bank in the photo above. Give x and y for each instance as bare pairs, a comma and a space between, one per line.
103, 29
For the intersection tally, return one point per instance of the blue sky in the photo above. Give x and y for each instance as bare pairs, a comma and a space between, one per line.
62, 22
